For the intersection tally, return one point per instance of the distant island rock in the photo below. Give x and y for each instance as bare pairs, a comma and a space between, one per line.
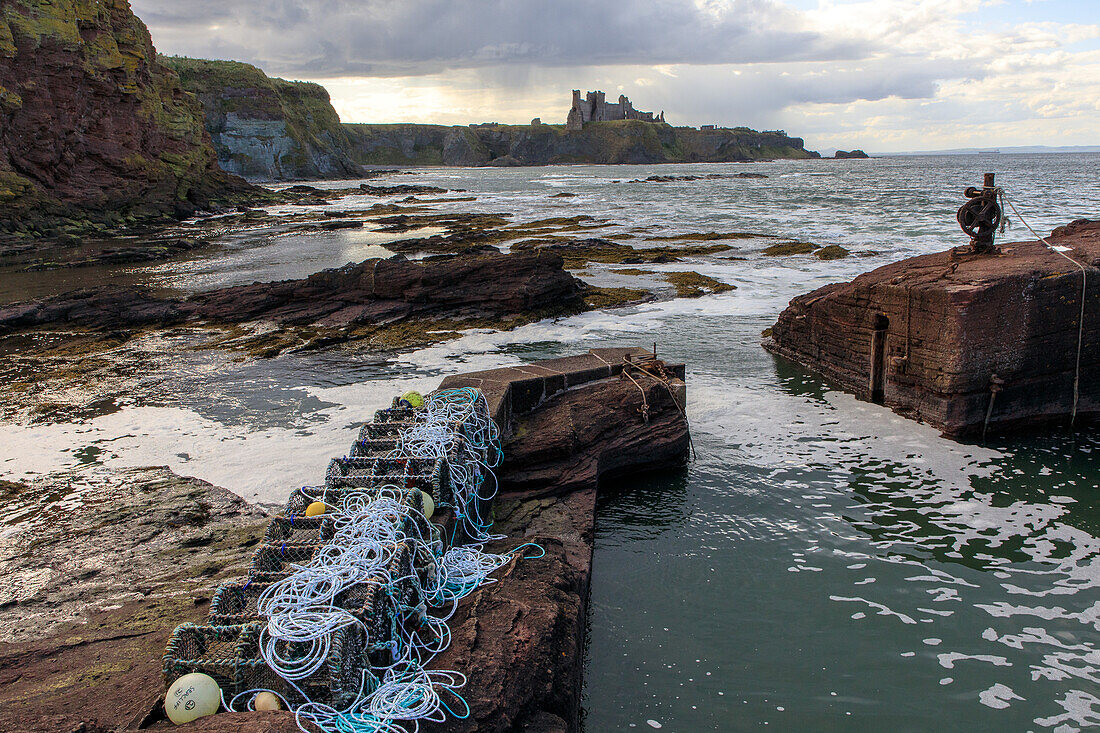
845, 154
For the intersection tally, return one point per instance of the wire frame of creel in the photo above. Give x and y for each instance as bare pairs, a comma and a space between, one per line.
383, 430
235, 603
381, 448
397, 414
379, 601
281, 558
334, 496
429, 475
231, 655
298, 529
374, 447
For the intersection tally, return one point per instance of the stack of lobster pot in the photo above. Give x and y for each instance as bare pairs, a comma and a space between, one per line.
228, 646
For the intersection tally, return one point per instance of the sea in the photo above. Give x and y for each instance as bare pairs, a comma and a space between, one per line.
823, 564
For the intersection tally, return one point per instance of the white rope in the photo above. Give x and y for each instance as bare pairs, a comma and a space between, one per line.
1084, 287
370, 528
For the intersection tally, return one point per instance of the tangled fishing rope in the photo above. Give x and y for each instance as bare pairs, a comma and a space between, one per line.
456, 426
384, 549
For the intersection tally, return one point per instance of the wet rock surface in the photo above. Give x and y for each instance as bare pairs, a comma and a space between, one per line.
959, 340
489, 285
706, 177
577, 253
98, 569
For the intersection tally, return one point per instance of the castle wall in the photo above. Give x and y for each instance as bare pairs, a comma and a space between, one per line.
596, 108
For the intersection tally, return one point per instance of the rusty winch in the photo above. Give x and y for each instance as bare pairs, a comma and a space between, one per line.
981, 215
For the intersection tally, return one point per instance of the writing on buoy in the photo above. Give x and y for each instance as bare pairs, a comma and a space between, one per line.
191, 697
316, 509
429, 504
412, 399
267, 701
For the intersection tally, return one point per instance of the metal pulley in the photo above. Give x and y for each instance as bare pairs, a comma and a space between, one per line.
981, 215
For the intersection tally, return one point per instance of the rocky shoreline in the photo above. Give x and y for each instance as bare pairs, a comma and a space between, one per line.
147, 547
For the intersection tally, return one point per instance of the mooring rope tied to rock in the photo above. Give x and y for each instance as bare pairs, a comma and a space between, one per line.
348, 631
663, 380
1084, 290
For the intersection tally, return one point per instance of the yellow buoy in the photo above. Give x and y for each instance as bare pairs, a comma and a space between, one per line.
415, 399
316, 509
192, 696
429, 504
267, 701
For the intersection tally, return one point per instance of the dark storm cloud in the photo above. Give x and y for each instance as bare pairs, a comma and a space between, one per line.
408, 37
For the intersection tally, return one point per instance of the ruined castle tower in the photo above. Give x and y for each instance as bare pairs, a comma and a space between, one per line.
594, 108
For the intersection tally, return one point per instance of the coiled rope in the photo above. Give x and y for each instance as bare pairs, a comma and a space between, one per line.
371, 527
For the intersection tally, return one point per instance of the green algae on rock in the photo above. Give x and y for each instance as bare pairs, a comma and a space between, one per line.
694, 285
94, 130
266, 128
782, 249
831, 252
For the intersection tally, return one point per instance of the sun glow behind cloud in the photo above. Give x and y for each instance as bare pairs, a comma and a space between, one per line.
877, 74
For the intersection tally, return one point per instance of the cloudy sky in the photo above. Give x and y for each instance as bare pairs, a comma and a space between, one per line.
884, 75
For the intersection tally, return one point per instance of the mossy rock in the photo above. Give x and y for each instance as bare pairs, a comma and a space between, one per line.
600, 298
831, 252
695, 285
783, 249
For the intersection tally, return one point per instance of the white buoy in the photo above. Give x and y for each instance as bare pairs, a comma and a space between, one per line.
429, 504
192, 696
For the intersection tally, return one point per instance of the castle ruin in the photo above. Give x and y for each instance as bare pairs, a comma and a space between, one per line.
594, 108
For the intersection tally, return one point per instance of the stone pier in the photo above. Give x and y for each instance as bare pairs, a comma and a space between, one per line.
962, 341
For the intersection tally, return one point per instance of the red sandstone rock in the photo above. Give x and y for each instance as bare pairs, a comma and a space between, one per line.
942, 336
488, 285
91, 126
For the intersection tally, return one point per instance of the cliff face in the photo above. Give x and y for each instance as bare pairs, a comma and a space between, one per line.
93, 131
267, 128
957, 340
626, 141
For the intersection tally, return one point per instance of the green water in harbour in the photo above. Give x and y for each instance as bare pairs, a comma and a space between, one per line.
827, 566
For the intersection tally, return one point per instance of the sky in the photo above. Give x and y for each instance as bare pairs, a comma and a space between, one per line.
881, 75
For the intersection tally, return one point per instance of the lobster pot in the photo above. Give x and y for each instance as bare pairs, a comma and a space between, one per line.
229, 654
280, 559
382, 601
339, 679
299, 530
382, 431
374, 447
428, 475
235, 603
335, 496
396, 414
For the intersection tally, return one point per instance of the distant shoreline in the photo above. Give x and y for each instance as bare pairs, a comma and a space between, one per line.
1019, 150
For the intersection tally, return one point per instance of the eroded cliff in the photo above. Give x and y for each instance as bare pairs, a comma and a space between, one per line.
267, 128
94, 133
624, 141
